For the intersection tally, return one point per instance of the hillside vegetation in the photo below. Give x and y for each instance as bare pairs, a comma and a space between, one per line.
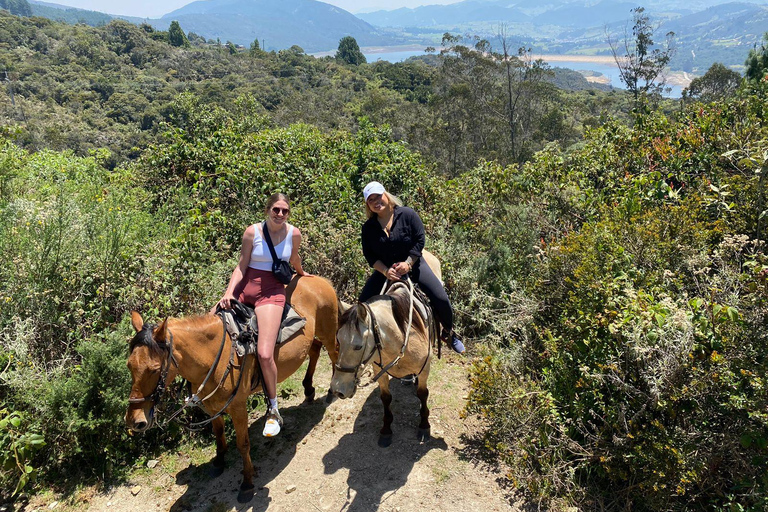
607, 261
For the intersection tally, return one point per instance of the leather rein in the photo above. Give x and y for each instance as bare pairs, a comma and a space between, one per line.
193, 400
374, 326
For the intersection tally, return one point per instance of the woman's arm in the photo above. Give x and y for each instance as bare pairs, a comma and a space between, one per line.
295, 257
418, 236
239, 271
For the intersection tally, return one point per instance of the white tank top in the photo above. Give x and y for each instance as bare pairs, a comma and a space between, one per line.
261, 258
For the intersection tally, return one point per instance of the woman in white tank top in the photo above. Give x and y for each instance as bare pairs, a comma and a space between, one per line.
253, 283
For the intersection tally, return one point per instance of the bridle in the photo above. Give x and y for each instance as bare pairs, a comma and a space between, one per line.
194, 400
374, 327
157, 394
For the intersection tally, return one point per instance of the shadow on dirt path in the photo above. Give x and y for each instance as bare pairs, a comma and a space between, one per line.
378, 471
270, 457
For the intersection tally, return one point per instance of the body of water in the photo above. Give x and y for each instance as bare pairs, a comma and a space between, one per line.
608, 70
397, 56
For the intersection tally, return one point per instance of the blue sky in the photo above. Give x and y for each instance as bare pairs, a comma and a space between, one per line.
156, 8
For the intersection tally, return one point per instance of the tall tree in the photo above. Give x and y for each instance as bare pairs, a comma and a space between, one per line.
717, 83
641, 63
523, 77
176, 36
349, 51
757, 62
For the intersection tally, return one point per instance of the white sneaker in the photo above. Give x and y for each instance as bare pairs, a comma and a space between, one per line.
273, 424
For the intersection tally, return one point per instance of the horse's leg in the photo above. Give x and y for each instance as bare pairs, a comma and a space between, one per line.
385, 435
221, 447
314, 355
423, 393
239, 415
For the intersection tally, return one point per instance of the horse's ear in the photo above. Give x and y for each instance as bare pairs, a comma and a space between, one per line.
136, 321
160, 331
362, 313
343, 307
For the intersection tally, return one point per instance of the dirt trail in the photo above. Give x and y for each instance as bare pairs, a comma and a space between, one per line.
327, 459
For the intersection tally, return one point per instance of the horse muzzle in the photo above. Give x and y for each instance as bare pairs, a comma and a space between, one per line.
139, 421
345, 386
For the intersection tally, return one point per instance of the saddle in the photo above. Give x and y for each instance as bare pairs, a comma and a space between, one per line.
243, 327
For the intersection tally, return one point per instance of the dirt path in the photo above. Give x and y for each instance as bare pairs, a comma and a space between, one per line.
327, 459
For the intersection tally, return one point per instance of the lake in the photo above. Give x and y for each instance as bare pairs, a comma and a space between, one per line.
609, 70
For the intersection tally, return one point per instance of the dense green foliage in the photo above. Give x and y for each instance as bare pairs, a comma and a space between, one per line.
632, 373
613, 277
81, 88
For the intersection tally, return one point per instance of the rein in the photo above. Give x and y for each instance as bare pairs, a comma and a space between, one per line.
374, 326
194, 400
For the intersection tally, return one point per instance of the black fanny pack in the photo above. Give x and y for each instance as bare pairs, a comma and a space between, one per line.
282, 269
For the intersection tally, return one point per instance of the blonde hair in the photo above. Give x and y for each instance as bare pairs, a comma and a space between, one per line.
392, 199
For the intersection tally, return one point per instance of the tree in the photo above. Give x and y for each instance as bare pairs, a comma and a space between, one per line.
757, 62
641, 66
232, 48
255, 47
176, 36
523, 76
349, 52
717, 83
17, 7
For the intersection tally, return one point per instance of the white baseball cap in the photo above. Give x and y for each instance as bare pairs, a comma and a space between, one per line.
373, 187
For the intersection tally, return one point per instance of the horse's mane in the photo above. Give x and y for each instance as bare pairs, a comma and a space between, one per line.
144, 337
401, 304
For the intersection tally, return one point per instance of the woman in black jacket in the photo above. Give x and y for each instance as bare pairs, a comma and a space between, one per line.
393, 238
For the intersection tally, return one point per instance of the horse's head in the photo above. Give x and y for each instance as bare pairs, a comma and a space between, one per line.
356, 345
149, 363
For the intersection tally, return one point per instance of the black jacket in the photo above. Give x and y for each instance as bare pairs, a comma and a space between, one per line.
406, 238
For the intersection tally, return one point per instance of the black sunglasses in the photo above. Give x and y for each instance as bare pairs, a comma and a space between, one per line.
281, 211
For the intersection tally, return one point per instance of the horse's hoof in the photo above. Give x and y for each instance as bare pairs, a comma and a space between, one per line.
424, 435
308, 399
330, 397
385, 441
216, 471
246, 494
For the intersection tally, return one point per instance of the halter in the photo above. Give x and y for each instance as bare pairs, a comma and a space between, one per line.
374, 326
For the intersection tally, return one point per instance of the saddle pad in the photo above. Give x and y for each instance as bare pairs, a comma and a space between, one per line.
291, 324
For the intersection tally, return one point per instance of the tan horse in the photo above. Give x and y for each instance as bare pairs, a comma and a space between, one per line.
375, 332
188, 347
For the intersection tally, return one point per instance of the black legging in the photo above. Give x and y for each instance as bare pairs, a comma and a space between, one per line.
428, 282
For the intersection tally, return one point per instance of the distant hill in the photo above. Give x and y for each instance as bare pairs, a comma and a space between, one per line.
462, 12
73, 15
315, 26
579, 15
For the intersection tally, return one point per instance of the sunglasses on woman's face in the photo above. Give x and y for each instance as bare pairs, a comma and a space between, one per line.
281, 211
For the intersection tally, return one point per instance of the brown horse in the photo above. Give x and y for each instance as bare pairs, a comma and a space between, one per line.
188, 347
376, 331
